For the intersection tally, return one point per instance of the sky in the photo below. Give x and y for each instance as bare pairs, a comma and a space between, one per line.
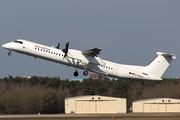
128, 31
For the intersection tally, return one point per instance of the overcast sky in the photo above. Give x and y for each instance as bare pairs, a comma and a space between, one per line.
128, 31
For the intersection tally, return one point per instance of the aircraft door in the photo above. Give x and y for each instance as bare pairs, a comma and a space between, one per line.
115, 70
29, 49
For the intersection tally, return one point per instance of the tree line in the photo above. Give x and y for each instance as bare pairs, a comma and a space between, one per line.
46, 95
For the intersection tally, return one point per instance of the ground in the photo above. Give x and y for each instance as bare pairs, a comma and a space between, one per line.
129, 116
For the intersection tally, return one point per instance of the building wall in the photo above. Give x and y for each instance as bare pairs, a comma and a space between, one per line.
69, 106
95, 105
137, 107
121, 105
158, 105
97, 76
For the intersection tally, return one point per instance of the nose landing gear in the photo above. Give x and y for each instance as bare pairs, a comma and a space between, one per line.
9, 53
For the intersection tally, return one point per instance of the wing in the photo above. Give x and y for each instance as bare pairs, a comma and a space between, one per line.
92, 52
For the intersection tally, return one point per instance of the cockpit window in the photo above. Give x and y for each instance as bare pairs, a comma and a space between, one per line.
18, 42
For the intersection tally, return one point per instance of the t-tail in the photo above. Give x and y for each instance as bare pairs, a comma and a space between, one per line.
159, 65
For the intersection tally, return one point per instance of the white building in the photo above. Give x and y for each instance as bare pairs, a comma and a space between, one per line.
156, 105
95, 104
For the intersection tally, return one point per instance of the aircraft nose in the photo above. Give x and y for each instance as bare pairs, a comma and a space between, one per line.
7, 46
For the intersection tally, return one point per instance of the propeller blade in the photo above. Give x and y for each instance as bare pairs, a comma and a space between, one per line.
67, 45
65, 50
58, 45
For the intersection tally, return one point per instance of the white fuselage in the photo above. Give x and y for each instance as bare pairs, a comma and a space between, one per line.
76, 59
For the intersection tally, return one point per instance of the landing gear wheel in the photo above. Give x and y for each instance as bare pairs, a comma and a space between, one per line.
76, 73
85, 73
9, 53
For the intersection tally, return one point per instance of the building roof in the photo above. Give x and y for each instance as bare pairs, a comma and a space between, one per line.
90, 96
154, 99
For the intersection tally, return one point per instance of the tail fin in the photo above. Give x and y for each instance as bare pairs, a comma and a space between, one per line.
159, 65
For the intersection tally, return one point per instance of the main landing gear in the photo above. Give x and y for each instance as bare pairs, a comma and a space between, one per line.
85, 73
9, 53
76, 73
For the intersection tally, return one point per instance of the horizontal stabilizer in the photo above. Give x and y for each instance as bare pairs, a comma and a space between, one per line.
92, 52
167, 55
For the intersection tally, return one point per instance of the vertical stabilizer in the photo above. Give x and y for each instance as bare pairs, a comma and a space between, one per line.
159, 65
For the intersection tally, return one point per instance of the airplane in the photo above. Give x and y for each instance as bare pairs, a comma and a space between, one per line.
89, 60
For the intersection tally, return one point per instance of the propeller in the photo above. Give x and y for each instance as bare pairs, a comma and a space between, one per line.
58, 45
65, 50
